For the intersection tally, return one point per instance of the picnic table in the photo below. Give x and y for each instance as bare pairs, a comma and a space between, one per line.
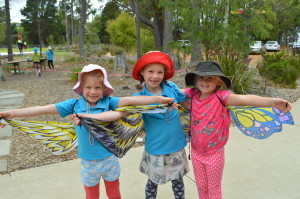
16, 64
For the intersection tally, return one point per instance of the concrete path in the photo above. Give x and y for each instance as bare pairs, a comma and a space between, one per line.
254, 169
8, 100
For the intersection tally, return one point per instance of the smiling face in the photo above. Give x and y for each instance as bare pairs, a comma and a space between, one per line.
92, 87
208, 84
153, 75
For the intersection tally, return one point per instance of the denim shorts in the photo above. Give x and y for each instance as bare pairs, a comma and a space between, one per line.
92, 170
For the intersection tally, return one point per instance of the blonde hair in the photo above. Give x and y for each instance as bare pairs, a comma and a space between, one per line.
93, 74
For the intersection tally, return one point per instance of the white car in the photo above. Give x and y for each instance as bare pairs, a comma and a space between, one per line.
256, 47
296, 45
272, 46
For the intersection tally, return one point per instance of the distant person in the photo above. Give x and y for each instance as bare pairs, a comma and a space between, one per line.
25, 45
50, 55
36, 59
20, 46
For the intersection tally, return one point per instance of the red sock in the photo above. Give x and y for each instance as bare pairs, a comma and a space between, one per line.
92, 192
112, 189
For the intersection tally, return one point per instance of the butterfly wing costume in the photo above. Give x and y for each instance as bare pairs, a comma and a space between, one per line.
119, 136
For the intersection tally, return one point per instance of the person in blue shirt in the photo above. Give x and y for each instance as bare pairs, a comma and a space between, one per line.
164, 157
50, 55
96, 160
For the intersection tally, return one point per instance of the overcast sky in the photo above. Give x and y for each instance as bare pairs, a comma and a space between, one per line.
16, 5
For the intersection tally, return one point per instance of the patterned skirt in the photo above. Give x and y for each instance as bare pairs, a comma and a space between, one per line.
161, 169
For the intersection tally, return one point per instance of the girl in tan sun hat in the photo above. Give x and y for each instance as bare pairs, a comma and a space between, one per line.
164, 157
211, 121
95, 91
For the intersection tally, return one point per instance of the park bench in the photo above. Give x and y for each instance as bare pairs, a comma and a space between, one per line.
16, 64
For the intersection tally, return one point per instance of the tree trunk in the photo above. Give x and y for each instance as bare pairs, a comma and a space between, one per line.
196, 45
81, 28
156, 25
138, 37
66, 19
73, 23
120, 61
8, 32
168, 38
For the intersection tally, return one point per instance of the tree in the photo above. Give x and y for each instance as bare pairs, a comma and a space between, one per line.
2, 25
41, 18
83, 16
122, 31
8, 31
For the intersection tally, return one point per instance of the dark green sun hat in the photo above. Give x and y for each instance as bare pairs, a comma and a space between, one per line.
207, 68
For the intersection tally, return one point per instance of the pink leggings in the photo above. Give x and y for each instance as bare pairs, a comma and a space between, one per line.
208, 172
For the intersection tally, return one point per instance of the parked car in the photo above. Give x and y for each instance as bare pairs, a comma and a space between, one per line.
184, 43
296, 45
272, 46
256, 47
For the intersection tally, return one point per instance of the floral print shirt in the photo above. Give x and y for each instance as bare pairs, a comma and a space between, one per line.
210, 121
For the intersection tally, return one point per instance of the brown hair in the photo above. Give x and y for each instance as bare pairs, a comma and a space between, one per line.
140, 86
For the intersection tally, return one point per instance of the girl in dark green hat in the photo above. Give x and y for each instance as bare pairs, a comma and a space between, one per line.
210, 122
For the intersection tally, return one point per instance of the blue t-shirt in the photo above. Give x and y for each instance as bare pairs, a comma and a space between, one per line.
50, 55
88, 148
164, 133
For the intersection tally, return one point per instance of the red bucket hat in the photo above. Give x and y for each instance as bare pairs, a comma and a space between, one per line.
154, 57
91, 67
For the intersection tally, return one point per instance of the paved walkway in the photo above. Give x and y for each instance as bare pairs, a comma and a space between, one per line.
8, 100
254, 169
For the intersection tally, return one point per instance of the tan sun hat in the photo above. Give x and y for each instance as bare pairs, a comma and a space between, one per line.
91, 67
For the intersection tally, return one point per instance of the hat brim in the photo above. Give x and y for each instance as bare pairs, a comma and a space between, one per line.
154, 57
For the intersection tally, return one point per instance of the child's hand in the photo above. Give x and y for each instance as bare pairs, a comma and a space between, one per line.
75, 120
169, 101
282, 105
4, 115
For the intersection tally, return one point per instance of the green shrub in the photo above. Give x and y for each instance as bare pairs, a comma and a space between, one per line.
237, 70
115, 50
74, 73
72, 58
281, 69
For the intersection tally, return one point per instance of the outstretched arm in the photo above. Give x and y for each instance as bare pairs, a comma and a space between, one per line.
28, 112
143, 100
107, 116
258, 101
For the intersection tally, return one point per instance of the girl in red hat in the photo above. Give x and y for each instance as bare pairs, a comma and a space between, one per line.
164, 157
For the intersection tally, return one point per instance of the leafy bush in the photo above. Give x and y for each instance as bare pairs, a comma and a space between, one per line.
72, 58
281, 69
237, 70
115, 50
74, 73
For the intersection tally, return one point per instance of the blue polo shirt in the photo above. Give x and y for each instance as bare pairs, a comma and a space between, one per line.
50, 55
164, 133
86, 148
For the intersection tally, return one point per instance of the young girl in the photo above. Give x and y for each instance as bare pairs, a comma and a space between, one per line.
36, 59
50, 55
96, 161
210, 122
164, 158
